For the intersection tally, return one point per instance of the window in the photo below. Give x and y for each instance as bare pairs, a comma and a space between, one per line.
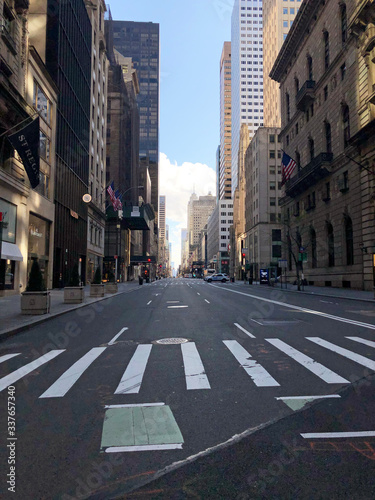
311, 148
326, 92
287, 101
349, 241
326, 49
346, 124
272, 202
298, 160
343, 71
309, 68
272, 186
272, 153
272, 138
276, 234
44, 146
327, 128
331, 245
296, 83
344, 24
41, 103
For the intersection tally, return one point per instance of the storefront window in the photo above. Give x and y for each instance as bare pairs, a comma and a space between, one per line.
7, 274
38, 236
9, 221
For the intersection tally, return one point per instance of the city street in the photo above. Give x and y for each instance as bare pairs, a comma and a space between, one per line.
100, 405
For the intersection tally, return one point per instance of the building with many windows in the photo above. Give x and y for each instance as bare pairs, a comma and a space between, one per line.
218, 233
26, 91
199, 210
327, 75
278, 17
140, 41
224, 184
247, 73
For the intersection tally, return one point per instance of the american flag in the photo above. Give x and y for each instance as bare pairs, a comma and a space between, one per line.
287, 167
118, 200
112, 195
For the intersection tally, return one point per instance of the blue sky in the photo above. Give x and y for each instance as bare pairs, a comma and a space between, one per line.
191, 39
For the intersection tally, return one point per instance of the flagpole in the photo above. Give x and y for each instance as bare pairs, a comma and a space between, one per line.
20, 123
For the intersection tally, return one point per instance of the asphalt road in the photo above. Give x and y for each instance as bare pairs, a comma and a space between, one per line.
101, 406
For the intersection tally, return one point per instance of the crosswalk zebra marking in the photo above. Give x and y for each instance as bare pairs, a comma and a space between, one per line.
132, 379
245, 331
195, 375
8, 356
111, 342
70, 377
313, 366
357, 358
26, 369
258, 374
370, 343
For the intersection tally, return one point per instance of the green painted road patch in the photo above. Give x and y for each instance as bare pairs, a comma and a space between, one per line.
140, 428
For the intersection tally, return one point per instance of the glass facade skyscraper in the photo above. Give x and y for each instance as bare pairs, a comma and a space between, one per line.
140, 41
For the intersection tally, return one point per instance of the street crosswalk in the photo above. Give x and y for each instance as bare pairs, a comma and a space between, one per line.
234, 354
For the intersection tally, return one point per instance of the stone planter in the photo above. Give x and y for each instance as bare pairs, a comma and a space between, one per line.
97, 290
74, 294
35, 302
111, 287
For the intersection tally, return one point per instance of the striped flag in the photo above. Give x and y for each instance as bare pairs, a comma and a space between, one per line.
112, 195
287, 167
118, 200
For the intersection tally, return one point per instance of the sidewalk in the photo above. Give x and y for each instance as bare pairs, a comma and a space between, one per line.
12, 321
339, 293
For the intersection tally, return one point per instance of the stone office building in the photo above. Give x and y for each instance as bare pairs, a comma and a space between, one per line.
326, 73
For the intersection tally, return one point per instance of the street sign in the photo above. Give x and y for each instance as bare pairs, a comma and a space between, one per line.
283, 263
1, 216
302, 257
115, 256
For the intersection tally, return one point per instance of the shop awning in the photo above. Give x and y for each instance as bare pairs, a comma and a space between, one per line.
10, 251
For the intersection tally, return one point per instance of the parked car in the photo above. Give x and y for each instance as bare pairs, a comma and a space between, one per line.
218, 277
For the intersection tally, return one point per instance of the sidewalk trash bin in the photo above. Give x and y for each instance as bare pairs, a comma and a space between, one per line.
140, 280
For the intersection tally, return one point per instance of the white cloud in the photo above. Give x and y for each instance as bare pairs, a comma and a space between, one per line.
177, 183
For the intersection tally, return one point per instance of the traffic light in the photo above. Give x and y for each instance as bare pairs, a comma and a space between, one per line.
160, 266
148, 260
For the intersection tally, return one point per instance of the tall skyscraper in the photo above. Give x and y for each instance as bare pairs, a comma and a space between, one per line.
247, 73
199, 210
278, 16
68, 60
141, 42
224, 190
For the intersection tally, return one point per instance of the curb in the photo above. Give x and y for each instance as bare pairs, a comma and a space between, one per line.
319, 294
12, 331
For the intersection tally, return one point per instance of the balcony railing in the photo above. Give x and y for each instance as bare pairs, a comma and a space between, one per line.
306, 95
309, 175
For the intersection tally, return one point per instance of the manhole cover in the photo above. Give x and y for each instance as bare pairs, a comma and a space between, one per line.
171, 341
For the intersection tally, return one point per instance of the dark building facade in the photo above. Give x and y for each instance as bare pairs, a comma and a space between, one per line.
140, 41
68, 60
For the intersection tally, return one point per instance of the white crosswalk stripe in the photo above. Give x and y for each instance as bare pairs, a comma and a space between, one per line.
70, 377
259, 375
357, 358
313, 366
13, 377
196, 377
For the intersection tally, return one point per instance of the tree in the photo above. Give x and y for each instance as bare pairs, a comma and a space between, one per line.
98, 277
294, 244
74, 277
36, 283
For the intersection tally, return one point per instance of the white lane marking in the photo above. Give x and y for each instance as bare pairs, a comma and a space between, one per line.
8, 356
70, 377
176, 307
195, 375
156, 294
326, 301
330, 435
245, 331
207, 301
370, 343
310, 397
132, 379
297, 308
357, 358
25, 370
198, 293
135, 405
172, 301
313, 366
111, 342
145, 447
149, 302
259, 375
255, 321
